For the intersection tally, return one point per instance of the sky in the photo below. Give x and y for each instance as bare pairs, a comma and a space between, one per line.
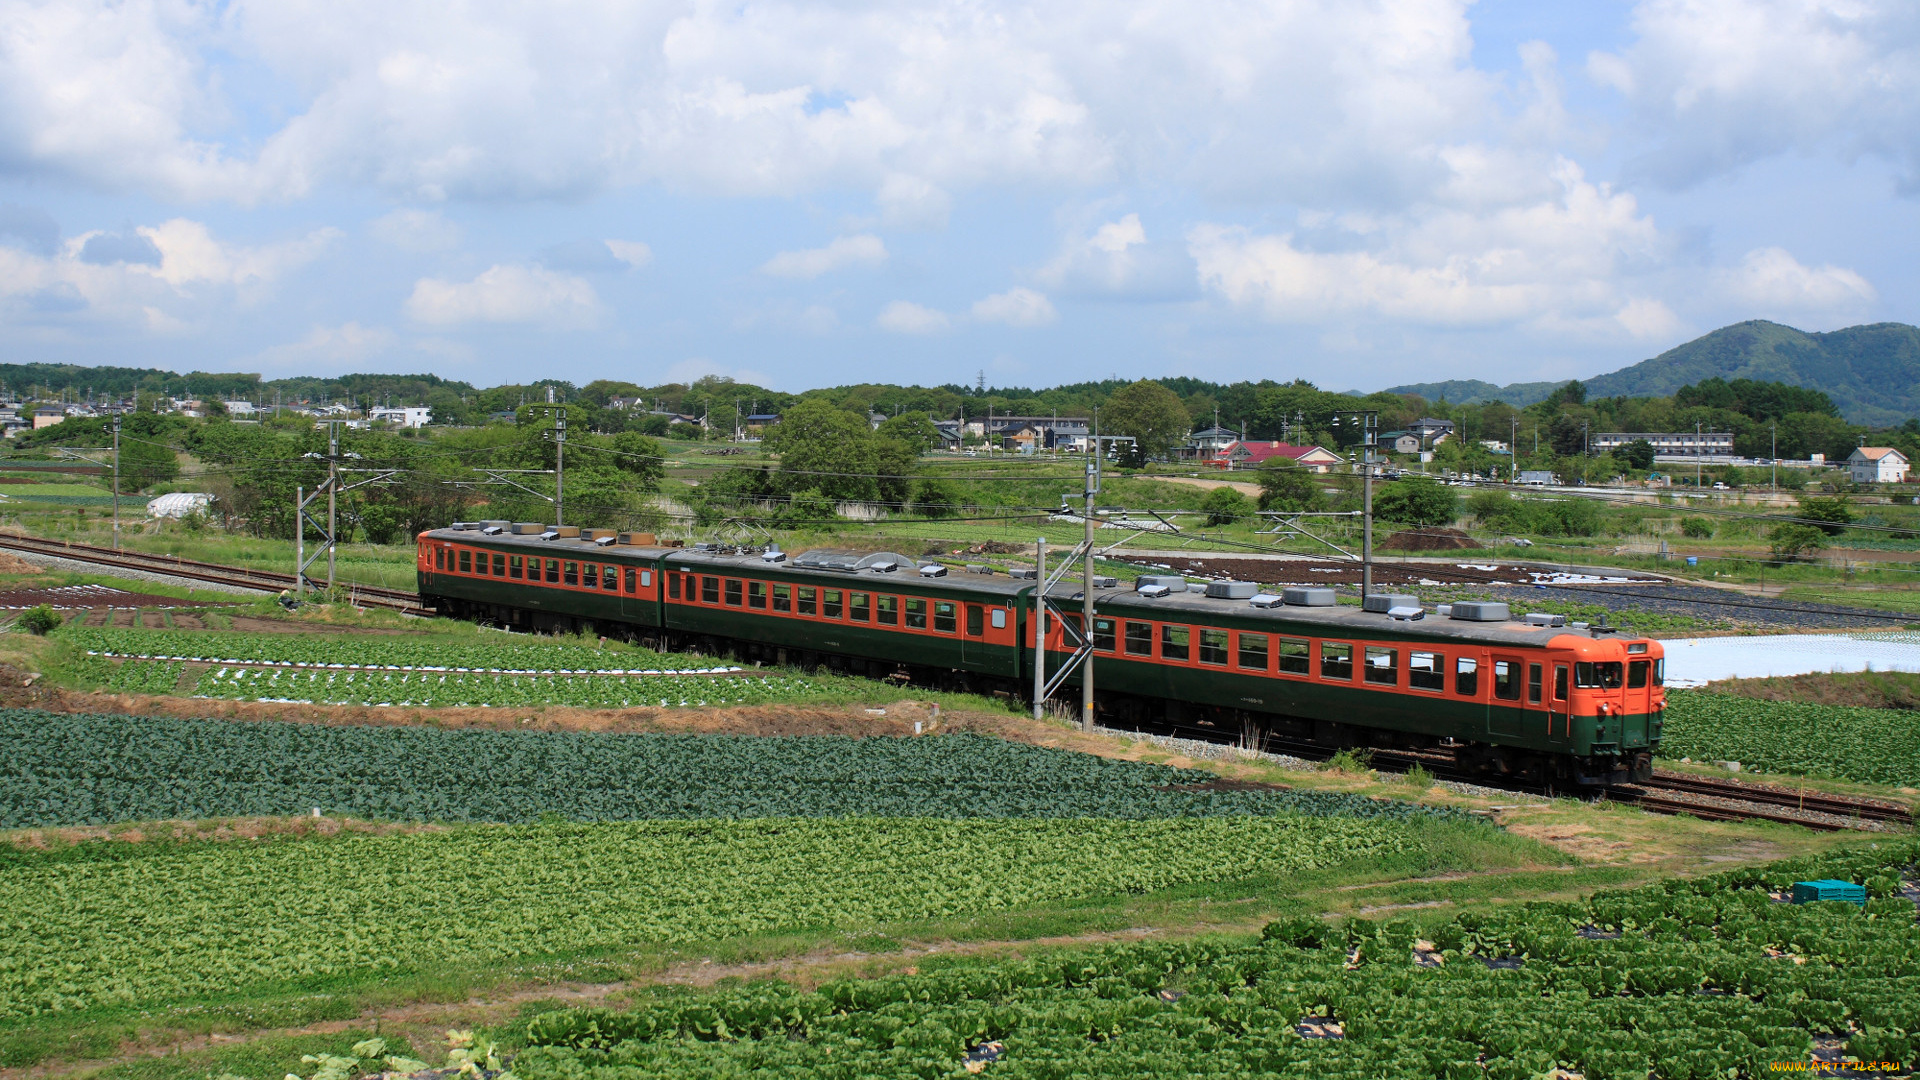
1361, 193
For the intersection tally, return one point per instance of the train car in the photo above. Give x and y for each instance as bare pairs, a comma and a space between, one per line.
1527, 698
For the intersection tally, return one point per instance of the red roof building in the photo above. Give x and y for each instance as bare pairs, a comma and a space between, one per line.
1250, 454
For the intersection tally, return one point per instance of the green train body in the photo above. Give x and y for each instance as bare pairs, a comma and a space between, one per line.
1547, 703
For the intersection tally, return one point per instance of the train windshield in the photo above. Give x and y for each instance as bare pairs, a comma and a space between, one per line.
1603, 675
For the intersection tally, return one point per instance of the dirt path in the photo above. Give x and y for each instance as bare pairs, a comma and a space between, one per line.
1242, 486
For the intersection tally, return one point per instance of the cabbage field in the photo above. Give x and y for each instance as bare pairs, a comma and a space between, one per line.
513, 655
1683, 980
1879, 746
65, 769
115, 923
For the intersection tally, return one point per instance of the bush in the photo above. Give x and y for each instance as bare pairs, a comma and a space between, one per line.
1791, 542
1358, 761
1418, 778
1697, 528
1224, 506
40, 620
1829, 515
1416, 501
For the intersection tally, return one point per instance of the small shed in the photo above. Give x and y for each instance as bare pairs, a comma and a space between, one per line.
179, 504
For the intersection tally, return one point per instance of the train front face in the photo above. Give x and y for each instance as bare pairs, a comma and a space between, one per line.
1619, 697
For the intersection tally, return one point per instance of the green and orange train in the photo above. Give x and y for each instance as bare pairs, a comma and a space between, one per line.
1543, 702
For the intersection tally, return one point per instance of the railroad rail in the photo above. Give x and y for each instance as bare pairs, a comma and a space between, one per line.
269, 581
1865, 809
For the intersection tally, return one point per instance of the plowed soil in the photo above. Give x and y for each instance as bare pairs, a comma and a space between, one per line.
91, 596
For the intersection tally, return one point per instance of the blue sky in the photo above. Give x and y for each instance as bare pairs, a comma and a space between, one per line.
1361, 194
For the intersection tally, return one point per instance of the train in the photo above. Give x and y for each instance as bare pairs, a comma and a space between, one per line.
1525, 697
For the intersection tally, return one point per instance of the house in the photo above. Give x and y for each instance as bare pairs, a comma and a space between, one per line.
1209, 442
1877, 465
412, 416
1051, 432
948, 432
47, 416
1537, 476
239, 408
1251, 455
1401, 442
1430, 431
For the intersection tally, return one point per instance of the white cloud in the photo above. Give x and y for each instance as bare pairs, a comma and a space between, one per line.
1016, 307
844, 251
632, 252
907, 317
416, 231
329, 347
1119, 261
1772, 281
506, 293
912, 202
189, 253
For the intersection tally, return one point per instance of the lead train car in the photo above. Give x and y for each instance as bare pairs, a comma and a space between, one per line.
1544, 703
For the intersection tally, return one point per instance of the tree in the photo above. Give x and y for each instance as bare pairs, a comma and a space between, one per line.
1416, 500
936, 498
1567, 436
825, 448
1638, 454
1149, 412
1791, 541
1696, 528
913, 430
1224, 506
1829, 515
1288, 486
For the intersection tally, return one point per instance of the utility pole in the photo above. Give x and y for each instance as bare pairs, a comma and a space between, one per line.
1513, 452
1040, 627
1776, 460
559, 459
1371, 421
116, 481
333, 496
1086, 589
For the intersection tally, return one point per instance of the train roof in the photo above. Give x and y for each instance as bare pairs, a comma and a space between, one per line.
853, 569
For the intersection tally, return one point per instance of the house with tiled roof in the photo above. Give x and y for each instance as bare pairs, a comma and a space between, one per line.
1877, 465
1245, 454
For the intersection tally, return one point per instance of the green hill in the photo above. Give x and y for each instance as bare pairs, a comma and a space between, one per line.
1871, 372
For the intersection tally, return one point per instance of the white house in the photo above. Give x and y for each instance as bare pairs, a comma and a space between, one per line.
1877, 465
413, 416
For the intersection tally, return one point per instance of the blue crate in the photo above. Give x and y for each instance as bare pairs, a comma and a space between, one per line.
1806, 892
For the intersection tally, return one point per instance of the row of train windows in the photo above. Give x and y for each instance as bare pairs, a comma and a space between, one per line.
915, 613
1426, 670
556, 571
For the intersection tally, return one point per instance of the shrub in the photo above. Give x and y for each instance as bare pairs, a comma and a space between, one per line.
1357, 760
1224, 506
1697, 528
40, 620
1418, 778
1792, 542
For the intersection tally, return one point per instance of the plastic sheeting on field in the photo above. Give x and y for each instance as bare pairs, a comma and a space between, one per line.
1698, 661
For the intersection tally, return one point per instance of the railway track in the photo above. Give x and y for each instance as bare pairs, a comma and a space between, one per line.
269, 581
1864, 809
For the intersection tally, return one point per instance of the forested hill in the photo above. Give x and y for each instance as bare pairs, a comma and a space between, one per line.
1871, 372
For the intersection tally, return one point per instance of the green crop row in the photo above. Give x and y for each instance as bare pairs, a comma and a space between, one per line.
118, 924
1867, 745
430, 689
1685, 980
66, 769
356, 651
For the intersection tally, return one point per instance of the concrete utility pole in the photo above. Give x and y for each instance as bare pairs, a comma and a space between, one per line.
116, 481
1086, 589
1776, 459
1040, 627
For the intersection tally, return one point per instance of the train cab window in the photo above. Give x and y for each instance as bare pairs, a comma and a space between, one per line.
1140, 639
1506, 680
1173, 642
783, 598
944, 617
1103, 634
1660, 672
1383, 666
612, 578
999, 618
1295, 656
673, 586
1585, 677
466, 561
1466, 677
553, 571
1637, 675
886, 609
1213, 646
572, 573
857, 607
1535, 684
803, 599
916, 613
513, 566
1611, 675
709, 590
1426, 671
733, 592
590, 575
439, 558
830, 603
1253, 651
499, 566
1336, 660
1559, 682
757, 594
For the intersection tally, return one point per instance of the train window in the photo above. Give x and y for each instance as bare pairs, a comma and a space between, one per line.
1213, 646
1253, 651
999, 619
830, 603
803, 599
857, 606
1295, 658
1173, 642
783, 598
1466, 677
1383, 666
1103, 634
1585, 677
1336, 660
886, 609
1637, 675
553, 571
916, 613
499, 566
1559, 682
710, 590
1534, 684
1140, 638
1660, 672
439, 558
646, 580
976, 622
673, 586
466, 561
757, 594
1506, 680
1426, 671
943, 617
1610, 675
572, 573
733, 591
513, 566
590, 575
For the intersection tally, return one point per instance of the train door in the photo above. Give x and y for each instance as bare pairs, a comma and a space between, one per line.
973, 634
1505, 715
1559, 707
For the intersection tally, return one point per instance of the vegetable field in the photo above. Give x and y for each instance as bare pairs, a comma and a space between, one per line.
361, 651
65, 769
1867, 745
1689, 979
431, 689
111, 923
